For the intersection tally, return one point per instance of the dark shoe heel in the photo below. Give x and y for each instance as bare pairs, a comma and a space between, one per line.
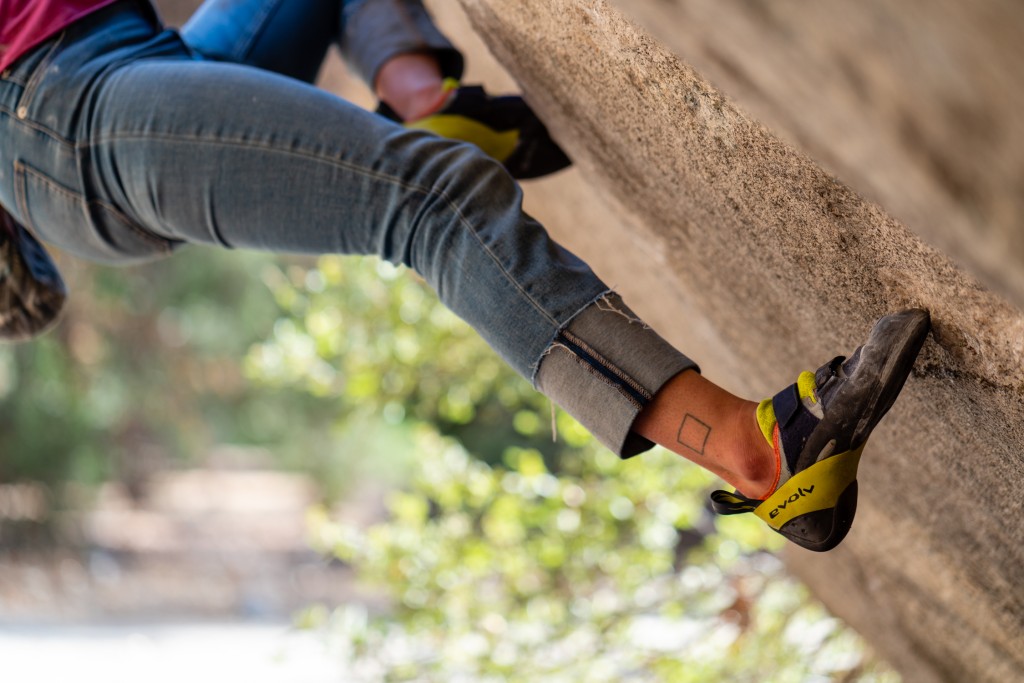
825, 529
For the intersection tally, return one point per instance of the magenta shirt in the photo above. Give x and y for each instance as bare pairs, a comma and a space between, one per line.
25, 24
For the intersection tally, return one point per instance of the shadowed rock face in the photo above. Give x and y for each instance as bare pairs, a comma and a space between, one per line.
919, 104
767, 265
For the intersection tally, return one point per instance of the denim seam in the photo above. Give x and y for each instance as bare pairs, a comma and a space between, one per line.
38, 75
589, 367
23, 171
593, 355
21, 198
340, 164
561, 326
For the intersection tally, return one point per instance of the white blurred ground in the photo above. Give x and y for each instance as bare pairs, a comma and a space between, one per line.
165, 653
194, 581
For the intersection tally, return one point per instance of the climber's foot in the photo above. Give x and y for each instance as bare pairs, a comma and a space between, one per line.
818, 428
505, 128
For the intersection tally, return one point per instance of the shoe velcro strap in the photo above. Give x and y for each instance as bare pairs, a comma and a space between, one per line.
787, 404
796, 423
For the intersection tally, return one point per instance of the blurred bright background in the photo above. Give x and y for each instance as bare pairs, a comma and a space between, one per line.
246, 467
311, 469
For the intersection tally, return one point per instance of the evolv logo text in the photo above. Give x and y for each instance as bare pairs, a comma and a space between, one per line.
800, 493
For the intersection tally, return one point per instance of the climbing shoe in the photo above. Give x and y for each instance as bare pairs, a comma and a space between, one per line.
505, 128
32, 292
818, 427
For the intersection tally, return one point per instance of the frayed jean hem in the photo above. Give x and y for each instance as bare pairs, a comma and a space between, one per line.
604, 366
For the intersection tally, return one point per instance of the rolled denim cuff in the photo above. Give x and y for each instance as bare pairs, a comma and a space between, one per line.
374, 31
604, 367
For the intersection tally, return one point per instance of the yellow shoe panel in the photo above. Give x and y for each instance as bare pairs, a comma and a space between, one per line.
495, 144
816, 488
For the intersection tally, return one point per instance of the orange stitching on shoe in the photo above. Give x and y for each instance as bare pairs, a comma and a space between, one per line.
778, 464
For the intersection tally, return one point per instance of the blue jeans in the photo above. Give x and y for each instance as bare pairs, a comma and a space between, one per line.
121, 141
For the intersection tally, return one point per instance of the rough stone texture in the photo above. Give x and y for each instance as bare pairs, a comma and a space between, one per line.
767, 265
580, 215
918, 104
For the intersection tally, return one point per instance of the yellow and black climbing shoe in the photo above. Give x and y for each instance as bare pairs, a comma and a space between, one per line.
505, 128
818, 428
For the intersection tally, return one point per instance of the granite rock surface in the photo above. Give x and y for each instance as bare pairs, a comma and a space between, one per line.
745, 251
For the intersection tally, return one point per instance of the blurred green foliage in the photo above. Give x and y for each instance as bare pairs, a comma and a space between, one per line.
374, 337
134, 347
147, 370
506, 555
613, 573
532, 558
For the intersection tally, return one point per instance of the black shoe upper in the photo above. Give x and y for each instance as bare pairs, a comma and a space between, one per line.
536, 154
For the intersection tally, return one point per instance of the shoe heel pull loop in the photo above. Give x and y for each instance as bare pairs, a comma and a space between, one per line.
828, 371
726, 503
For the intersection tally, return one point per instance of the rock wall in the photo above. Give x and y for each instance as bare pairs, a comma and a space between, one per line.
918, 104
750, 256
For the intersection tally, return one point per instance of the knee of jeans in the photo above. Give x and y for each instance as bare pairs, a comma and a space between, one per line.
476, 181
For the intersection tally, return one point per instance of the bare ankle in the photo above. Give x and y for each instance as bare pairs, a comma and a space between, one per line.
755, 467
713, 428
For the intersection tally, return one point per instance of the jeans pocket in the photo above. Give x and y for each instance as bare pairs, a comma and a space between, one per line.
93, 230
